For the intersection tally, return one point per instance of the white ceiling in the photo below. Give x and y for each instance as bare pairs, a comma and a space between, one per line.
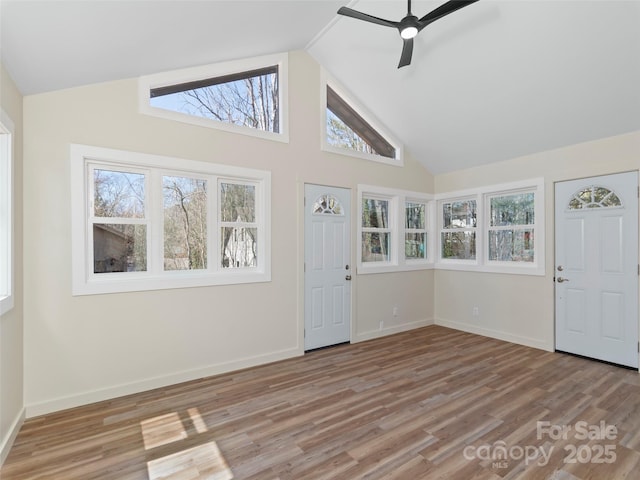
495, 80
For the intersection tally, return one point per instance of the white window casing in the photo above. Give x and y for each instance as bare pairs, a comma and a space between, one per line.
6, 214
327, 80
88, 279
534, 263
194, 74
397, 201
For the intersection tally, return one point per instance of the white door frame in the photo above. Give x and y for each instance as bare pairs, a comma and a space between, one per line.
586, 333
349, 273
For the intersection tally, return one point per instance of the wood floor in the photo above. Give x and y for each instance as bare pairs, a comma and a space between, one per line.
432, 403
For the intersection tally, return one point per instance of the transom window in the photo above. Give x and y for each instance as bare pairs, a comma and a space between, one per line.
156, 222
246, 96
594, 197
246, 99
349, 129
327, 205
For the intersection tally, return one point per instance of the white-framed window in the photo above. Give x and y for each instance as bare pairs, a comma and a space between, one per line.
349, 129
497, 228
149, 222
393, 230
246, 96
416, 236
378, 237
458, 228
6, 213
511, 227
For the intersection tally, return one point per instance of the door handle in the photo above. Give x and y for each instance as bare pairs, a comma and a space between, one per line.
348, 277
561, 280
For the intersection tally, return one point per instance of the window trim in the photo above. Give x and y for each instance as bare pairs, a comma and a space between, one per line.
426, 230
7, 205
369, 118
231, 69
397, 199
85, 282
482, 195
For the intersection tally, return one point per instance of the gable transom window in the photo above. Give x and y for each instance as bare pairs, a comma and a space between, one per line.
594, 197
247, 96
143, 222
348, 128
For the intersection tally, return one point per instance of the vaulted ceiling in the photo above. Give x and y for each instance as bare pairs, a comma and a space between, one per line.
495, 80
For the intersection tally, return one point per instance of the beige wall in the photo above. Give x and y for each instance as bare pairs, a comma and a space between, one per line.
520, 308
11, 341
87, 348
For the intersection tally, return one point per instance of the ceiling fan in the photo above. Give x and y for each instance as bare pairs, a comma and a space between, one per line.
410, 25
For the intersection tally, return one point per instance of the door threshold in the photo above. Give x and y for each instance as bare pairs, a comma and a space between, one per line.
327, 346
613, 364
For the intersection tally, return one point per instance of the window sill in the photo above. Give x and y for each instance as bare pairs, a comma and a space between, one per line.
365, 269
120, 283
535, 270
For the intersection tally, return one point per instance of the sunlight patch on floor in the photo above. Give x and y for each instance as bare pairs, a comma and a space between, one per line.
161, 430
197, 463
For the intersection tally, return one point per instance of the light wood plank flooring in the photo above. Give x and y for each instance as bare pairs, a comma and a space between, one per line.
431, 403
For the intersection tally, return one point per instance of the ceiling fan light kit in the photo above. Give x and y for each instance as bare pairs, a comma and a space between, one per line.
410, 25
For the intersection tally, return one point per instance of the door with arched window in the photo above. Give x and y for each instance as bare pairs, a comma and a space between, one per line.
596, 271
327, 276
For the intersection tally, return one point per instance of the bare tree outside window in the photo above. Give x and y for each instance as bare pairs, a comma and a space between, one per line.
185, 223
376, 230
511, 232
458, 235
119, 232
339, 134
248, 99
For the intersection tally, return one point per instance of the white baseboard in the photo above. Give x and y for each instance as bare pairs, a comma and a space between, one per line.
497, 334
10, 437
85, 398
361, 337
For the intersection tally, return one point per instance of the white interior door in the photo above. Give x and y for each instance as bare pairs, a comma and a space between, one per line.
597, 267
327, 277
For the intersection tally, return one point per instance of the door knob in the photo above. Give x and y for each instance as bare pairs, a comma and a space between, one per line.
561, 280
348, 277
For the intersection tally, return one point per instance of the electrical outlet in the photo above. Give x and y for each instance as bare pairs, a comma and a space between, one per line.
475, 312
395, 311
381, 324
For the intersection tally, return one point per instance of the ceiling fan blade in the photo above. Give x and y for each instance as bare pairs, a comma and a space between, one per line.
443, 10
407, 51
349, 12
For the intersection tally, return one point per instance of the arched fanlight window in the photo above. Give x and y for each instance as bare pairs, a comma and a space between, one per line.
327, 205
594, 197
